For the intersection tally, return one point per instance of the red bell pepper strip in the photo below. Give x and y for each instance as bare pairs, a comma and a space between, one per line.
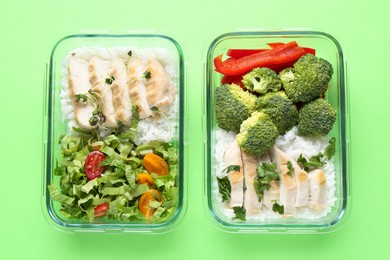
239, 53
277, 56
276, 44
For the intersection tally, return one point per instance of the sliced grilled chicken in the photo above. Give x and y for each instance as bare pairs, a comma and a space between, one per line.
99, 71
78, 78
159, 90
136, 88
251, 201
233, 157
317, 189
301, 178
288, 186
272, 195
120, 93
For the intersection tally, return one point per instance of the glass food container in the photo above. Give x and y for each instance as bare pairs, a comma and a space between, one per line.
127, 46
327, 47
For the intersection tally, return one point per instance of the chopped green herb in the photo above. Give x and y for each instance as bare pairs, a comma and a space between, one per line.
232, 168
240, 213
330, 150
224, 188
130, 53
266, 173
290, 169
81, 97
278, 208
147, 74
313, 163
110, 80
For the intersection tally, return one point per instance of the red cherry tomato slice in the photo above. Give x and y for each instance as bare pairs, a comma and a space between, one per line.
92, 169
101, 210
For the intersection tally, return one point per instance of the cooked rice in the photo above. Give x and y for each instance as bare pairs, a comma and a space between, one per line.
293, 145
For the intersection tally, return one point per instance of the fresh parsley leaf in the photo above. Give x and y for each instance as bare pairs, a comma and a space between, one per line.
278, 208
266, 173
313, 163
147, 74
232, 168
154, 109
240, 213
330, 150
81, 97
290, 169
224, 188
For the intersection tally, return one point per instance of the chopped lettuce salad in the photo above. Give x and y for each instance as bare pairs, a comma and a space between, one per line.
127, 187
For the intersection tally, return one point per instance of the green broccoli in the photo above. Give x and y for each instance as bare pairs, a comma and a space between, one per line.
233, 105
316, 118
281, 110
262, 80
308, 79
257, 134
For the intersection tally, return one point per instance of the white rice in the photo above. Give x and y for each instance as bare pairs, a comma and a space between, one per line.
161, 128
293, 145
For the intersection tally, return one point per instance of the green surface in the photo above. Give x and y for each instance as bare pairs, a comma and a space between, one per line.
29, 30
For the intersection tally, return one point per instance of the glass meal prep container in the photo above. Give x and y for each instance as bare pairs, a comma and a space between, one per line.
131, 47
327, 47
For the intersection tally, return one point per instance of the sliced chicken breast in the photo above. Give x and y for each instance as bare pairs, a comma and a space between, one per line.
78, 79
272, 195
251, 201
288, 186
136, 88
317, 189
99, 71
233, 157
120, 93
159, 90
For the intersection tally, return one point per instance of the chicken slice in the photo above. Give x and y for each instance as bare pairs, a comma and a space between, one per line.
233, 157
288, 186
136, 86
272, 195
251, 201
78, 79
120, 93
99, 71
317, 189
159, 90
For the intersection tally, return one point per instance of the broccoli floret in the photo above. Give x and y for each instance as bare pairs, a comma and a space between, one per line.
281, 110
262, 80
233, 105
316, 118
308, 79
257, 134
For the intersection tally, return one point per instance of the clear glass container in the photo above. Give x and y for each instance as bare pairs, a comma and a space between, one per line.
56, 126
326, 47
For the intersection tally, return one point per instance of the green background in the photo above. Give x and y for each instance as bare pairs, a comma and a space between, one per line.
29, 29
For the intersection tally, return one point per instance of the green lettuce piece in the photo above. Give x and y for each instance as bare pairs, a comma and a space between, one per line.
139, 190
114, 191
89, 186
69, 144
56, 195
